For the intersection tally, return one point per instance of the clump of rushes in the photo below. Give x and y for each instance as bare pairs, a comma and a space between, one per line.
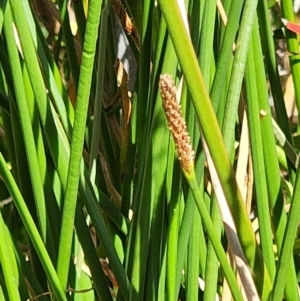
186, 156
176, 123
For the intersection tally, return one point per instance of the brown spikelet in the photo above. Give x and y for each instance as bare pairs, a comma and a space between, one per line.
176, 123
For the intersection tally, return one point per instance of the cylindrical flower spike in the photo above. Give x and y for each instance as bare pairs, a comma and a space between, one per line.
176, 123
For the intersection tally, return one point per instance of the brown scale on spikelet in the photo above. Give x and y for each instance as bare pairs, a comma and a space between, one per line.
176, 123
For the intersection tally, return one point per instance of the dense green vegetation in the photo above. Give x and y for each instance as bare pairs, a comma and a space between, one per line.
109, 190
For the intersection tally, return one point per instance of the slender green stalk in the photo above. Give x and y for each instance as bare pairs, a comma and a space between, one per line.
26, 126
268, 48
8, 263
32, 230
225, 52
258, 161
99, 92
211, 275
174, 199
189, 113
273, 178
287, 245
236, 77
192, 269
186, 228
82, 101
93, 210
155, 286
143, 107
42, 162
197, 16
205, 61
213, 236
206, 40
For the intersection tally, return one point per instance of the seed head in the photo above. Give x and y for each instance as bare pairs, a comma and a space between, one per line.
176, 123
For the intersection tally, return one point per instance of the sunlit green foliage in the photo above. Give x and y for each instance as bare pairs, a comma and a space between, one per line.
96, 200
